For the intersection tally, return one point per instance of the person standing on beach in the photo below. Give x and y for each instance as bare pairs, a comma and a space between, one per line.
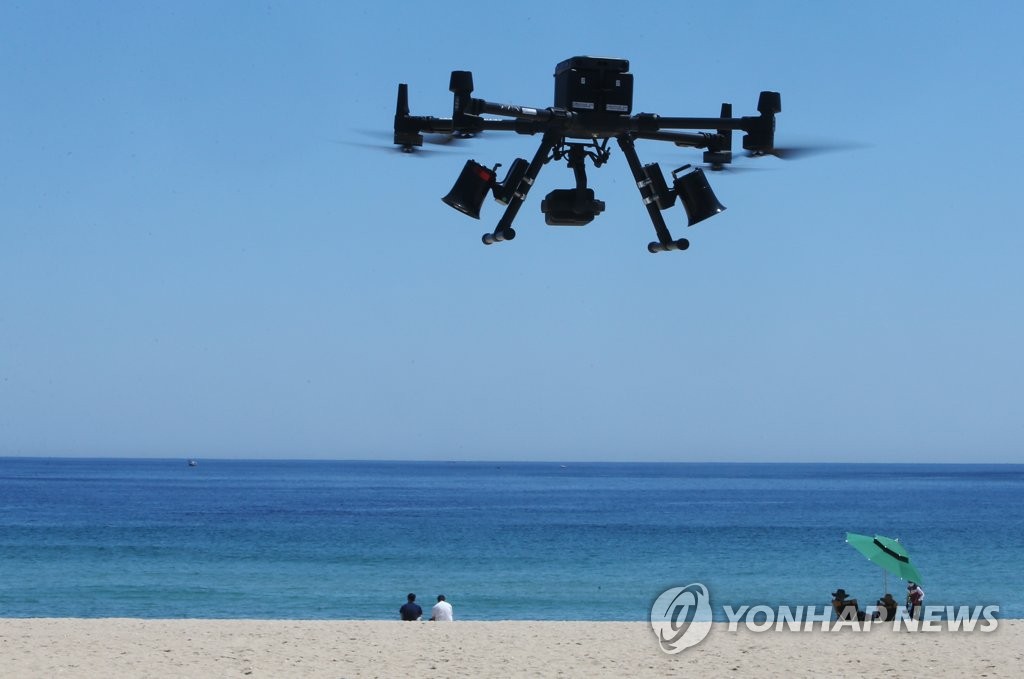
411, 610
442, 610
915, 597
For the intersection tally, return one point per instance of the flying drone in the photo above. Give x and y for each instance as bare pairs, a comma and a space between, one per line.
593, 105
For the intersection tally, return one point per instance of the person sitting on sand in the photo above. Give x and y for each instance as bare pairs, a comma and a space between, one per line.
845, 607
411, 610
886, 610
442, 610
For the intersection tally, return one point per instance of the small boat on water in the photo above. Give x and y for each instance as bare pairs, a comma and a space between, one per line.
192, 462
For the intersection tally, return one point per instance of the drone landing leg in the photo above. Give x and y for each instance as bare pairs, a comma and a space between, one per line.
504, 230
665, 242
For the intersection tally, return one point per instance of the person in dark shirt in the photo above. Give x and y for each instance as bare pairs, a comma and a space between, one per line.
886, 608
411, 610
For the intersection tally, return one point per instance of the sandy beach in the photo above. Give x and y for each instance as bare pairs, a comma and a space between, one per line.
112, 648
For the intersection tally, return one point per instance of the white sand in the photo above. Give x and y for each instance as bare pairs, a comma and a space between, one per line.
113, 648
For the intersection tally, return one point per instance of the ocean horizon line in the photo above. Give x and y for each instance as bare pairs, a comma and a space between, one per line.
484, 461
396, 619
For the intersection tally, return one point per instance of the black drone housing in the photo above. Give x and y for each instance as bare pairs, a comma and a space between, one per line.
594, 86
593, 106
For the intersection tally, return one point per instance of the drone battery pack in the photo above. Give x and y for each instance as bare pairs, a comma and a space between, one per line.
595, 86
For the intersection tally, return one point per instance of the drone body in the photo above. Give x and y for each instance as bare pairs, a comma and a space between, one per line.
593, 105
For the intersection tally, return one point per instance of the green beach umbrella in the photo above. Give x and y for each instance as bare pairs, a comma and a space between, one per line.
887, 553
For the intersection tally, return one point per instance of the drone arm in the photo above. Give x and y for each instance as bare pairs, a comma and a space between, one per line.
760, 129
504, 231
514, 111
525, 119
647, 122
665, 242
409, 128
698, 140
467, 112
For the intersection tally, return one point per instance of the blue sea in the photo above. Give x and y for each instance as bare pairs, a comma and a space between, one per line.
580, 541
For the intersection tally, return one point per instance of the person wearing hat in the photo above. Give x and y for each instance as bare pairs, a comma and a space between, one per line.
915, 597
886, 608
845, 607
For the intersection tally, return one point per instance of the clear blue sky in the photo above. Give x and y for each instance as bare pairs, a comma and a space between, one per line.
198, 257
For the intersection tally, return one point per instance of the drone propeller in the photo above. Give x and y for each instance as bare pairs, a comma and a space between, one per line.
435, 138
387, 143
791, 152
448, 139
731, 169
719, 168
802, 150
392, 148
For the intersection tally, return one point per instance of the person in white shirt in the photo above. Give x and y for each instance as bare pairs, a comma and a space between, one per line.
442, 610
915, 598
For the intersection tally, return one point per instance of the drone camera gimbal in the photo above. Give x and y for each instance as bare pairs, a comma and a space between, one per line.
593, 104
